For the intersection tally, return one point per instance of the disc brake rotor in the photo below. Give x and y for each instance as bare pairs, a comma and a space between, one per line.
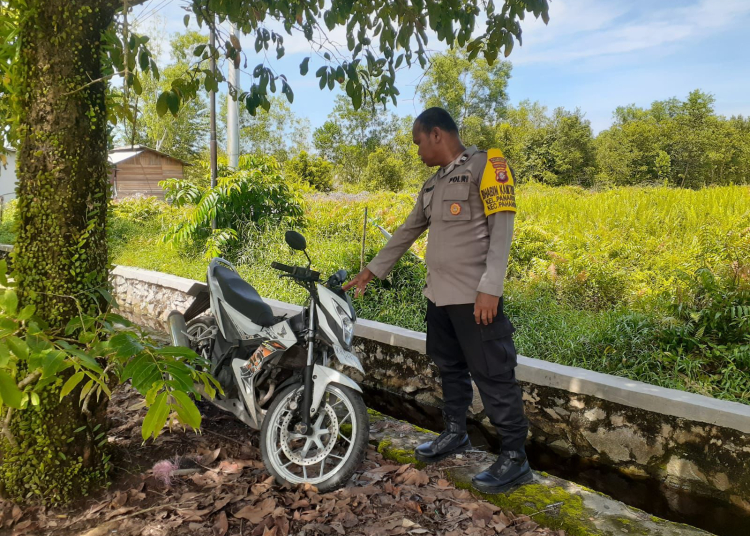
314, 439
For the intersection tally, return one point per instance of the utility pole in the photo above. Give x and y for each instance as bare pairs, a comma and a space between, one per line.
212, 106
233, 112
125, 54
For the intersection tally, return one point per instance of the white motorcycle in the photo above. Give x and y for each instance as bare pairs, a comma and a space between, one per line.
274, 370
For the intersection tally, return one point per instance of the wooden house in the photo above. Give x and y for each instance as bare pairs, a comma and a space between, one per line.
138, 169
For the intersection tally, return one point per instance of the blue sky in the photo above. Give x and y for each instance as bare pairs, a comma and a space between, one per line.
594, 55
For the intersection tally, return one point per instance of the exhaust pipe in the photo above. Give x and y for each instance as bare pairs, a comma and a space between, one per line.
178, 329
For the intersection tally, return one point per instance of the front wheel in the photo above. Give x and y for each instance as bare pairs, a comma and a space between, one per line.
327, 457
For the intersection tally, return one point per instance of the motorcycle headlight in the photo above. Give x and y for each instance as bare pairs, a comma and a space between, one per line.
347, 325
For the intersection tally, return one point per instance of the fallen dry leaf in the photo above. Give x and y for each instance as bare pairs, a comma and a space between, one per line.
222, 525
413, 506
256, 513
443, 484
193, 515
413, 477
102, 530
207, 457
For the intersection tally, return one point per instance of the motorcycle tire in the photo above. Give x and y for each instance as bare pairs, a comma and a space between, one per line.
278, 439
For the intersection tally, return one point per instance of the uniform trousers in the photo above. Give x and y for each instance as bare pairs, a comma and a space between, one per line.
464, 350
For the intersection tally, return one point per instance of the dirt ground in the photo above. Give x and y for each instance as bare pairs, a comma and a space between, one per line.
214, 484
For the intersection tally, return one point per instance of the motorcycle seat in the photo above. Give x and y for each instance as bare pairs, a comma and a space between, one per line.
241, 295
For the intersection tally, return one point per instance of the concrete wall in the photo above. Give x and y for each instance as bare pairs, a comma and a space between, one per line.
687, 441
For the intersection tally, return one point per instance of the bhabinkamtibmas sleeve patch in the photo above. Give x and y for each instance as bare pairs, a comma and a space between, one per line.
497, 189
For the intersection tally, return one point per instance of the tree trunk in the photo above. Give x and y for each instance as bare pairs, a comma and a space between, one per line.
60, 257
61, 249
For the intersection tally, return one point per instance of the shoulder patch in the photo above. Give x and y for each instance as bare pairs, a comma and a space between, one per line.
497, 189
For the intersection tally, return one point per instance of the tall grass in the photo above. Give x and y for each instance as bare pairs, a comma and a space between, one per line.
594, 280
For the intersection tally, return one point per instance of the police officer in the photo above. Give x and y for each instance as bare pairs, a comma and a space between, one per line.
469, 207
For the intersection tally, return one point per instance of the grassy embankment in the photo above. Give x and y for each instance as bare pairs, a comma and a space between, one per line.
600, 280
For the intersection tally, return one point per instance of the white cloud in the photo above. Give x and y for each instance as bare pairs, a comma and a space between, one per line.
582, 29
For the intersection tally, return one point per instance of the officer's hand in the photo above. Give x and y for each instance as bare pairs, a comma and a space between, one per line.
360, 282
485, 308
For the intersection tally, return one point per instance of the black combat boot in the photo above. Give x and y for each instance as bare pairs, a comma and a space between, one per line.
453, 440
510, 470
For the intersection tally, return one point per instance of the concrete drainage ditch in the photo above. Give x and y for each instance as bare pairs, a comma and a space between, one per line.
676, 455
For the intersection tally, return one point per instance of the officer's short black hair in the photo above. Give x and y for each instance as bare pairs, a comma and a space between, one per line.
436, 117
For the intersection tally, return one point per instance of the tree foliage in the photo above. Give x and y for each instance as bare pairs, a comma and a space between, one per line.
680, 143
381, 36
314, 170
254, 193
472, 91
277, 132
183, 136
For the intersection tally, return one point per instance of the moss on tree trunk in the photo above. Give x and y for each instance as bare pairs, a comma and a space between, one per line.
60, 256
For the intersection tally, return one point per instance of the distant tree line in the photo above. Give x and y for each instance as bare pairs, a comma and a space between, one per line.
681, 143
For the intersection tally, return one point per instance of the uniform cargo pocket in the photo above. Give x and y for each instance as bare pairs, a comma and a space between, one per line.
499, 352
456, 202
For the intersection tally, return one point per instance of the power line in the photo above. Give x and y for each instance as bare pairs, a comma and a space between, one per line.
143, 17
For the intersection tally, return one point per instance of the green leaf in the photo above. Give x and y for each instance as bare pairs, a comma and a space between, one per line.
54, 362
73, 324
9, 392
197, 51
357, 100
118, 319
143, 373
10, 301
7, 326
3, 273
125, 344
162, 105
18, 347
179, 351
173, 102
304, 66
186, 20
26, 313
187, 411
69, 385
86, 389
4, 354
85, 359
156, 417
144, 60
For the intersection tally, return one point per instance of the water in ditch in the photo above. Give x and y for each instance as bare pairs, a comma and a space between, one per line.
647, 494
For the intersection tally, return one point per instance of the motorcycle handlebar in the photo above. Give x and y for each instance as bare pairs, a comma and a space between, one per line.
297, 272
283, 267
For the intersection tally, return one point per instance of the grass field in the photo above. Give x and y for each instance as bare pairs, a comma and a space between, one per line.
601, 280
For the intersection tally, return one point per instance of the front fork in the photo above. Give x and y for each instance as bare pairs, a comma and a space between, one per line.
307, 375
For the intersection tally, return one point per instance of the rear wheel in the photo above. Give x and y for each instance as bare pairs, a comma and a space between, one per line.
199, 329
327, 457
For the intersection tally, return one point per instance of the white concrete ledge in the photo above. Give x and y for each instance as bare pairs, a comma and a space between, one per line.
586, 382
623, 391
183, 284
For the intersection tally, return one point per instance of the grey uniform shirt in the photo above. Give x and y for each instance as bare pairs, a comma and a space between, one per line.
467, 252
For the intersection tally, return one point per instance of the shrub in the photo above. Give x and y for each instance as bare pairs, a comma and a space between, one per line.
138, 208
384, 171
314, 170
254, 193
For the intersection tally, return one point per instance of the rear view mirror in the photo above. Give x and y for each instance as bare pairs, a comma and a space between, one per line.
295, 240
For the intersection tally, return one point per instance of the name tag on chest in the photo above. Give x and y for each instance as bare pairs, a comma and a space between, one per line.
459, 179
